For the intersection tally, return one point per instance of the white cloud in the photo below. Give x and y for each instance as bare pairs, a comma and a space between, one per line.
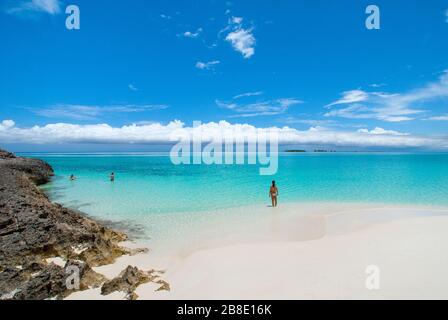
263, 108
248, 94
377, 85
381, 131
207, 65
83, 112
287, 102
159, 133
237, 20
193, 35
48, 6
132, 87
350, 97
241, 39
439, 118
311, 122
360, 111
7, 124
226, 105
389, 107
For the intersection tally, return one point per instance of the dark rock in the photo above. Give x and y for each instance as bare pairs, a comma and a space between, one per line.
6, 155
32, 228
128, 280
49, 283
11, 278
5, 221
164, 286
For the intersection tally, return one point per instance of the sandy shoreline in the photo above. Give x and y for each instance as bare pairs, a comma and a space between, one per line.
301, 251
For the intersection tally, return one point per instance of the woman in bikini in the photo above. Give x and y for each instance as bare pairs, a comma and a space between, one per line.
273, 193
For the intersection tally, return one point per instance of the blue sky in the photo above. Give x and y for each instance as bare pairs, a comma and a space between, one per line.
297, 64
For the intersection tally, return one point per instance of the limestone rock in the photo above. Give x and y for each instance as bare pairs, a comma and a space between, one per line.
32, 228
128, 280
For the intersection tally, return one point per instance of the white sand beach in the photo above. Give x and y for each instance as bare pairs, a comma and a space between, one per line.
299, 251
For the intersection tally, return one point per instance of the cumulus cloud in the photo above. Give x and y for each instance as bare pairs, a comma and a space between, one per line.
207, 65
241, 39
389, 107
7, 124
46, 6
86, 112
174, 131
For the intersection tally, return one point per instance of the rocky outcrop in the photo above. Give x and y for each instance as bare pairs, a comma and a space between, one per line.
38, 281
129, 279
32, 229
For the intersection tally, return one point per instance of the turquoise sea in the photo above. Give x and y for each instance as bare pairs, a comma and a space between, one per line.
149, 185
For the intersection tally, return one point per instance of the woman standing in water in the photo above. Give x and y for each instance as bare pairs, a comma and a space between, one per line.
273, 193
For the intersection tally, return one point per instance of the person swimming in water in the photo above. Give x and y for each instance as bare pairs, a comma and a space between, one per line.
273, 194
72, 177
112, 177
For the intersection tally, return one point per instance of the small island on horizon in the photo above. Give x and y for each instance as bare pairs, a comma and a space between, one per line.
304, 151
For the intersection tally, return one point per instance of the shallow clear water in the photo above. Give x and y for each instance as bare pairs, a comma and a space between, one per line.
150, 185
